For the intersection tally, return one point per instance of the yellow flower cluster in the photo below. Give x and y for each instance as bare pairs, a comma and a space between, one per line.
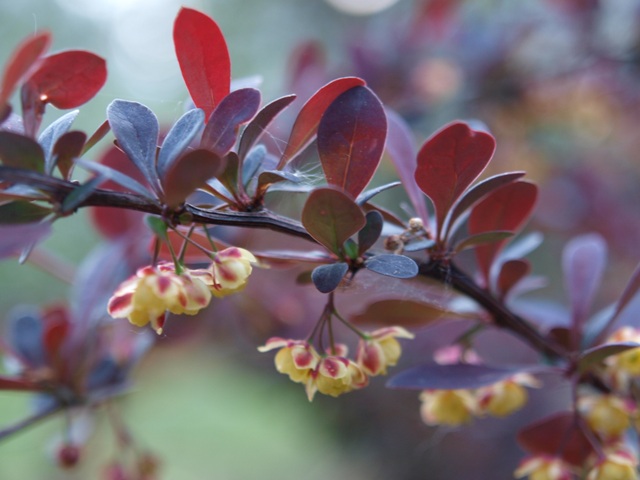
334, 373
147, 296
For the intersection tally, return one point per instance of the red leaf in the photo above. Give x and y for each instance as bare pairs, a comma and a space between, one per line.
23, 59
351, 138
203, 57
557, 434
306, 124
405, 313
69, 79
68, 147
188, 173
506, 208
449, 162
56, 329
17, 384
511, 272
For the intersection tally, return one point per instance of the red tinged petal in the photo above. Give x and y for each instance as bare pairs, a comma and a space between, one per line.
203, 57
449, 162
69, 79
119, 303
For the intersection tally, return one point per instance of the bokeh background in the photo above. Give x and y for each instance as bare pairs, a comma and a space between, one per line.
556, 81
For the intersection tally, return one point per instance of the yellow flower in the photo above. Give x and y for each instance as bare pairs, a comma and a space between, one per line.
295, 358
619, 465
506, 397
543, 467
334, 376
381, 350
146, 296
448, 407
608, 415
230, 270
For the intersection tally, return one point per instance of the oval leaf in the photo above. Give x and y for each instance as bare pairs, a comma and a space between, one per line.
351, 138
178, 139
50, 136
506, 208
68, 148
21, 152
235, 109
391, 265
449, 162
406, 313
260, 122
21, 212
136, 129
511, 272
23, 59
330, 216
434, 376
307, 121
188, 173
583, 261
69, 79
368, 236
14, 238
326, 278
595, 355
203, 57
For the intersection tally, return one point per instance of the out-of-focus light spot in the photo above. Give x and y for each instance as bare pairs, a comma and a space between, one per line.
361, 7
437, 79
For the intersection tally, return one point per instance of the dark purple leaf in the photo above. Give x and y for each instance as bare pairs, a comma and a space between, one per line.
326, 278
270, 177
557, 435
50, 136
449, 161
256, 158
17, 385
405, 313
66, 150
24, 57
21, 152
351, 138
136, 129
189, 172
506, 208
422, 244
397, 266
229, 175
69, 79
370, 233
476, 193
596, 355
403, 151
511, 272
306, 124
25, 335
20, 212
481, 239
434, 376
13, 238
80, 194
367, 195
330, 217
260, 122
203, 57
583, 262
180, 136
234, 110
98, 135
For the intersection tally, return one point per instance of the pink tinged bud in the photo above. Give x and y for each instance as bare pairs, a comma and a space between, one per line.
334, 367
371, 358
68, 456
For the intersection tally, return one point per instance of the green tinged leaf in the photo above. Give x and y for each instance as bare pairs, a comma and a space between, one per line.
158, 227
21, 212
21, 152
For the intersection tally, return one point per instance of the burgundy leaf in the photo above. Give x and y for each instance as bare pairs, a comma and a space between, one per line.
50, 136
260, 122
56, 330
454, 376
557, 435
68, 147
392, 265
235, 109
583, 262
69, 79
20, 212
21, 61
481, 239
511, 272
188, 173
21, 152
326, 278
98, 135
506, 208
476, 193
18, 385
203, 57
351, 138
595, 355
406, 313
306, 124
402, 150
449, 162
330, 217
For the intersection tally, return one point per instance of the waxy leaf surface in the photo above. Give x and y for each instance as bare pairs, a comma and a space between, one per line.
182, 133
326, 278
449, 162
506, 208
330, 216
397, 266
51, 134
351, 138
203, 57
370, 232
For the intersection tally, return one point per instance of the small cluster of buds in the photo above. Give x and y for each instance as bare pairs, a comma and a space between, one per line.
153, 291
458, 407
334, 373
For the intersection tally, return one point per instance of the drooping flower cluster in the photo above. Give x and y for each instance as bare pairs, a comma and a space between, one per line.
333, 373
147, 296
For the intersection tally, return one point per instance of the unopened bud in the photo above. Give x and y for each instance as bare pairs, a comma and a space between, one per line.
68, 455
393, 242
415, 224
